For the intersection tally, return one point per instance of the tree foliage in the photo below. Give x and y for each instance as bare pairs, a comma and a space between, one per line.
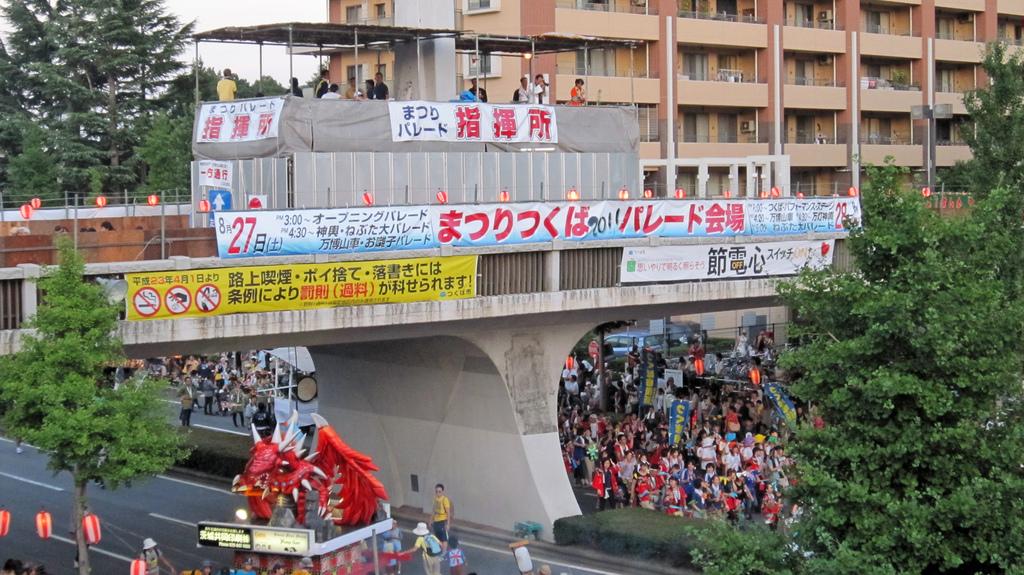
33, 172
55, 396
167, 151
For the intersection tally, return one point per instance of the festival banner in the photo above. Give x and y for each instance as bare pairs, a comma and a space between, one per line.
221, 291
780, 399
392, 228
419, 121
678, 421
238, 121
723, 261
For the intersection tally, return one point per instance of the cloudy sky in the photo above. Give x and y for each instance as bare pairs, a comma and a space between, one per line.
244, 60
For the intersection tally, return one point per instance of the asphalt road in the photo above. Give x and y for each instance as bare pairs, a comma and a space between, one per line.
166, 509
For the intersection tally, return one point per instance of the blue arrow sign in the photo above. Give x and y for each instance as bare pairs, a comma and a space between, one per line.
220, 200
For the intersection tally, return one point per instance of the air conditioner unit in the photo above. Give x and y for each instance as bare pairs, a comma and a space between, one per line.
825, 16
639, 2
825, 60
747, 127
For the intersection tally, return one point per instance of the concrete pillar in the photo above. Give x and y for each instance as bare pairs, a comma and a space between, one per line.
702, 180
430, 64
476, 412
734, 180
29, 291
553, 270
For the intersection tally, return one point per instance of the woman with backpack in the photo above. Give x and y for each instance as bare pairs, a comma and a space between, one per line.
430, 545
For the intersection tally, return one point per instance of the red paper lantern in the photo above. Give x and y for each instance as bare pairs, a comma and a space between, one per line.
570, 362
26, 211
800, 195
926, 192
852, 192
5, 522
101, 201
572, 195
776, 192
153, 200
36, 203
442, 197
44, 524
503, 196
763, 194
727, 194
368, 199
623, 193
204, 206
648, 193
755, 376
680, 193
91, 529
825, 249
138, 567
959, 203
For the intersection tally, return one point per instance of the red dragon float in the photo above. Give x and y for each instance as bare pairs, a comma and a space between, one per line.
342, 476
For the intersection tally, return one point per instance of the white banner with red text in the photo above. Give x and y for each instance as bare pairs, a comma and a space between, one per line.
723, 261
419, 121
239, 121
393, 228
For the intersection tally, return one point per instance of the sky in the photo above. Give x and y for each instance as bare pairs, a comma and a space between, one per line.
244, 60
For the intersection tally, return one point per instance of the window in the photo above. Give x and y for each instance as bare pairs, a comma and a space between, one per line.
804, 15
804, 72
879, 130
647, 116
944, 28
727, 128
947, 80
876, 22
602, 62
695, 66
695, 128
380, 11
805, 132
479, 5
352, 14
482, 67
382, 69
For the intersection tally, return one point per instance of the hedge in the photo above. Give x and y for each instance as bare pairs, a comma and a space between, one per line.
631, 532
216, 453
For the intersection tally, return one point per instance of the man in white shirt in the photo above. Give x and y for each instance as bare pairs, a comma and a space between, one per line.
332, 93
539, 90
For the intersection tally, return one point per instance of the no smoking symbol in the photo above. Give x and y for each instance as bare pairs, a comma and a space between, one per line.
178, 300
146, 302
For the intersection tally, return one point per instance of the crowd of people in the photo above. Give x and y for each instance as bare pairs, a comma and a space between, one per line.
729, 459
220, 386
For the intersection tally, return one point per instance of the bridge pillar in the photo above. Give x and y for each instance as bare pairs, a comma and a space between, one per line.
475, 411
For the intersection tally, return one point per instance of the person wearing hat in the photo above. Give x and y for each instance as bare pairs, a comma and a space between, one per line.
305, 567
277, 569
431, 548
207, 569
247, 568
152, 555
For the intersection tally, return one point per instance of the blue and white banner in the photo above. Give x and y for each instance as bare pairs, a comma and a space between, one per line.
782, 402
678, 421
393, 228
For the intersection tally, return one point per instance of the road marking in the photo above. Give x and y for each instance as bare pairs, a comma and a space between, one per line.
23, 444
36, 483
538, 559
93, 549
211, 428
173, 520
171, 401
200, 485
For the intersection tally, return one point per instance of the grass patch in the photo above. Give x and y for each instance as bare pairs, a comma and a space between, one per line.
632, 532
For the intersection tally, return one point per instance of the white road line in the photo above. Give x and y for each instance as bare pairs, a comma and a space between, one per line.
172, 520
170, 401
93, 549
537, 559
211, 428
36, 483
23, 444
199, 485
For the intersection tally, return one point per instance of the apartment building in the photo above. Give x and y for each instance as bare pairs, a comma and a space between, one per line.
822, 81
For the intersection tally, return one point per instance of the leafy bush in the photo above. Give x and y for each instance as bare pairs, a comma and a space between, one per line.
220, 454
632, 532
722, 549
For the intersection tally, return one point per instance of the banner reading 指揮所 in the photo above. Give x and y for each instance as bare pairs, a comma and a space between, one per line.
419, 121
723, 261
395, 228
220, 291
238, 121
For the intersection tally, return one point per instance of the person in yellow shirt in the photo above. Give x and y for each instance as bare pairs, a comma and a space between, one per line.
431, 547
226, 88
441, 520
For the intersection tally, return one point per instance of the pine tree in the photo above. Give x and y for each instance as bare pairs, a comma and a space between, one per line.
33, 172
167, 151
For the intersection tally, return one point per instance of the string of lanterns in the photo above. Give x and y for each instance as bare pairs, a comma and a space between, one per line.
91, 528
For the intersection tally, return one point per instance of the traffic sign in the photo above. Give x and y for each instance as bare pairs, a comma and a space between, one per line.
594, 349
220, 200
178, 300
146, 302
208, 298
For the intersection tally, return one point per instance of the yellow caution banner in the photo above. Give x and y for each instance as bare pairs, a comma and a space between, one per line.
221, 291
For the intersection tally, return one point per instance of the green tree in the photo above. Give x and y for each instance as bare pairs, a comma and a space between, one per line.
167, 151
32, 172
56, 398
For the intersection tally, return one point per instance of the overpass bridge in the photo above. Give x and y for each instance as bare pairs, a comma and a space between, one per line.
463, 391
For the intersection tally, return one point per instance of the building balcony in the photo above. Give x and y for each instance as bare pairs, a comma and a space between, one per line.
616, 89
972, 5
966, 51
694, 30
877, 95
812, 155
613, 19
650, 150
805, 39
738, 93
814, 97
889, 45
1010, 7
949, 153
720, 150
876, 149
954, 99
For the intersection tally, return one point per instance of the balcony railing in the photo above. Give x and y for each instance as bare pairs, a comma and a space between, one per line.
885, 140
817, 24
1011, 40
883, 29
873, 83
826, 83
954, 36
722, 16
811, 138
384, 21
621, 6
601, 71
722, 75
954, 141
740, 137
